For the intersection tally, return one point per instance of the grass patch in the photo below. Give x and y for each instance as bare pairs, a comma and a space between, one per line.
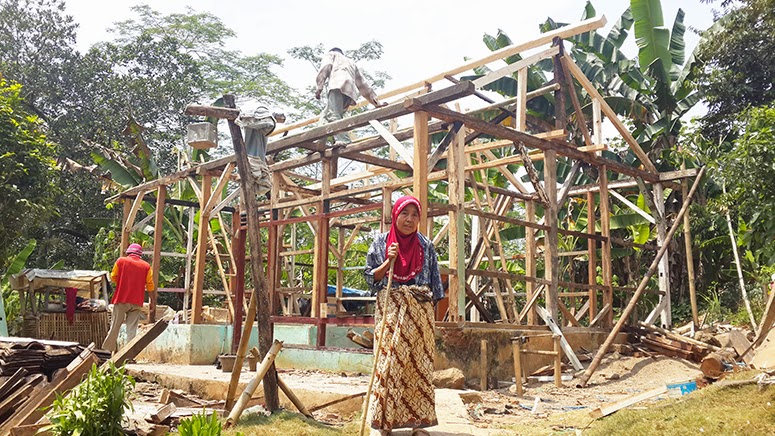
288, 423
714, 410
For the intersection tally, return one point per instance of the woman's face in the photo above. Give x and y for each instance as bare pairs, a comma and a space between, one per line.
408, 220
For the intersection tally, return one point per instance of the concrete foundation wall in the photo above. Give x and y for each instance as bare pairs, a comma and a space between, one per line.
457, 347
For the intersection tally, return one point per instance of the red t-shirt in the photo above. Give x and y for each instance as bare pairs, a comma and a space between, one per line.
132, 275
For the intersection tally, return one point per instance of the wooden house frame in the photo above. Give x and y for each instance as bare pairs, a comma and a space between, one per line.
349, 205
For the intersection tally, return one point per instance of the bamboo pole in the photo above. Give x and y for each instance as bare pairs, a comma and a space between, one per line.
247, 394
739, 266
377, 349
286, 390
689, 257
641, 286
243, 347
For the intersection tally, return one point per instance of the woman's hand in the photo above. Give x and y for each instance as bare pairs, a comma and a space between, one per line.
392, 251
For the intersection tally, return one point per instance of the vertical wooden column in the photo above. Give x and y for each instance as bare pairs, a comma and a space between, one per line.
273, 248
689, 255
127, 210
664, 264
521, 122
530, 259
420, 173
201, 251
158, 231
551, 259
260, 297
340, 270
591, 256
189, 256
320, 271
457, 254
387, 205
605, 256
238, 279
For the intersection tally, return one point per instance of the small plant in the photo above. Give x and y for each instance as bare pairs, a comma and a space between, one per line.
96, 407
200, 424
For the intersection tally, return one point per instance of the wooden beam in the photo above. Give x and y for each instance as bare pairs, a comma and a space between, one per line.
456, 193
566, 348
627, 402
307, 138
201, 252
605, 251
534, 157
261, 293
571, 66
551, 260
215, 198
421, 151
530, 261
510, 69
394, 143
591, 255
632, 206
562, 148
132, 348
212, 111
158, 231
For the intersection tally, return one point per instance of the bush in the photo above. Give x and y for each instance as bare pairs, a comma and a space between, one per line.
200, 424
96, 407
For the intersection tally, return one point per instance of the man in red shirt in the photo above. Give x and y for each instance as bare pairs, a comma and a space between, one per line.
132, 276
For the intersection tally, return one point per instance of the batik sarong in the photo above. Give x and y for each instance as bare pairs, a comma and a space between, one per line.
402, 395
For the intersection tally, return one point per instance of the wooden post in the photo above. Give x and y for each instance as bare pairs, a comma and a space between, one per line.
189, 256
739, 268
516, 350
273, 248
420, 178
557, 360
664, 265
340, 270
530, 259
158, 231
625, 315
591, 256
238, 285
260, 293
521, 122
320, 271
124, 226
483, 365
201, 250
551, 259
689, 255
605, 256
457, 254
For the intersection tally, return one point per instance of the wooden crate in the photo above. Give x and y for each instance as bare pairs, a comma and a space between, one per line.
87, 327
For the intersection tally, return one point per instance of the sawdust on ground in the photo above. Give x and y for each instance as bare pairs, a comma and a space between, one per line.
618, 377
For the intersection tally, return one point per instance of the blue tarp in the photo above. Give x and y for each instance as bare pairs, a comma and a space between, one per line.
348, 292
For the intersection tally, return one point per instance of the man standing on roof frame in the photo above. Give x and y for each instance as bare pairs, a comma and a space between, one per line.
345, 82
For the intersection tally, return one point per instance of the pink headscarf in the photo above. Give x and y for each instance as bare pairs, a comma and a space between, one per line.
410, 257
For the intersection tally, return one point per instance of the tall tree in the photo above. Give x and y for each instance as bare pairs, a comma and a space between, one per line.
740, 69
27, 171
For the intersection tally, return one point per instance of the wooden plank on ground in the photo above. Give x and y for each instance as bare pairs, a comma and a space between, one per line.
740, 343
168, 396
162, 413
138, 344
629, 401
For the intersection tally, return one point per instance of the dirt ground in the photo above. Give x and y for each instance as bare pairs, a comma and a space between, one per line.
543, 404
544, 408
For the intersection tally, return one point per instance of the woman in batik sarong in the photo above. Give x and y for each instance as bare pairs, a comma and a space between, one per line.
402, 396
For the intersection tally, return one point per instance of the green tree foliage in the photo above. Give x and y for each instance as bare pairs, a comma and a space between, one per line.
740, 71
27, 171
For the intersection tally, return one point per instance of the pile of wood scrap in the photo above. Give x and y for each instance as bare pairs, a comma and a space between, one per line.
39, 356
31, 396
672, 344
